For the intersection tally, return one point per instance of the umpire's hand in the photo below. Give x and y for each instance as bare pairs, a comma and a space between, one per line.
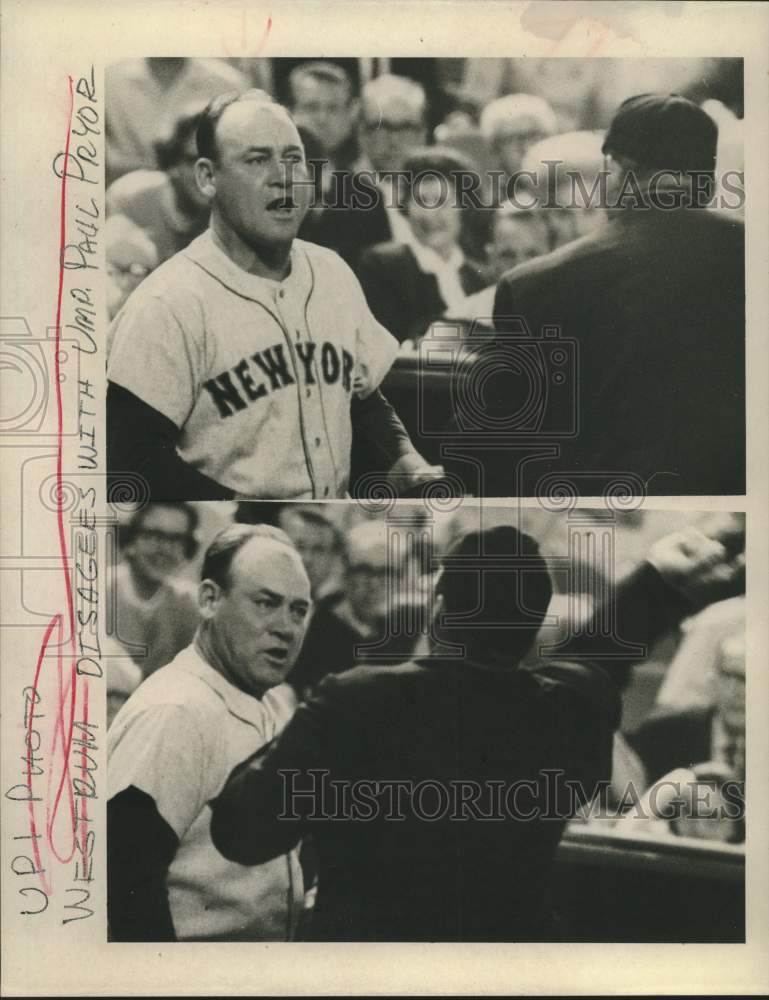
702, 566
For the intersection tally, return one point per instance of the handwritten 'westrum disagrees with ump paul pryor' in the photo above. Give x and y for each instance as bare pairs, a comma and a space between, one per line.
50, 810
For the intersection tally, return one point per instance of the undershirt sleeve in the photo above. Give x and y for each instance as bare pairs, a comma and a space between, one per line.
142, 442
162, 753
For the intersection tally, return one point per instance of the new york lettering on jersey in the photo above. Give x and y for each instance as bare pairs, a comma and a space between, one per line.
257, 375
236, 388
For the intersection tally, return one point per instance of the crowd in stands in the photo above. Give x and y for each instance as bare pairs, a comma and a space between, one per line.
365, 120
684, 706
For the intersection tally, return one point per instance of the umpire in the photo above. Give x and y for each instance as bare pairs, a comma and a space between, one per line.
654, 304
398, 771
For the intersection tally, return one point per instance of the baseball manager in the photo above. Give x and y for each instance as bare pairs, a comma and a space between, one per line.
237, 368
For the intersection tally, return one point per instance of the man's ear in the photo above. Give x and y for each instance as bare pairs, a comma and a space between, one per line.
205, 176
209, 594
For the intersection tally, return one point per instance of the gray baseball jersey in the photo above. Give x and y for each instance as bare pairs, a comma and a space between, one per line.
256, 374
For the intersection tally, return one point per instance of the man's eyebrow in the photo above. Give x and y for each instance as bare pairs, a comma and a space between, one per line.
270, 593
292, 148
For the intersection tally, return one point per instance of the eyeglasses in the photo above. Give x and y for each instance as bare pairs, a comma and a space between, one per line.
164, 537
382, 125
366, 569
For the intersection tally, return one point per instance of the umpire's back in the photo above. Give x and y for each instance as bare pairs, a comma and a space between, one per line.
461, 850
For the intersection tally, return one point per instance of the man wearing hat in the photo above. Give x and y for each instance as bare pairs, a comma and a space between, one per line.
437, 790
654, 300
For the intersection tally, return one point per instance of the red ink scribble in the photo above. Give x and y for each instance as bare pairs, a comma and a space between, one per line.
54, 623
67, 680
263, 40
242, 45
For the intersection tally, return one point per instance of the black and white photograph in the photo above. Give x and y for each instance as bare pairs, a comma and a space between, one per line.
334, 723
328, 276
384, 549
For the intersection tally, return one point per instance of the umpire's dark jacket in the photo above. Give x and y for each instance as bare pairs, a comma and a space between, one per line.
460, 724
655, 304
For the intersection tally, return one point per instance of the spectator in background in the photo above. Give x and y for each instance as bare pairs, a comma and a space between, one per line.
145, 96
567, 168
511, 125
702, 802
691, 679
570, 86
130, 257
370, 613
413, 280
677, 737
321, 99
319, 542
517, 235
155, 614
166, 203
391, 125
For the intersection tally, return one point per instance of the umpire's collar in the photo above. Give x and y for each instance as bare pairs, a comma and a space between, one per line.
206, 254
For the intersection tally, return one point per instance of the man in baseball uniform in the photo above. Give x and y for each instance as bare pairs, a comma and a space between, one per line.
235, 367
178, 737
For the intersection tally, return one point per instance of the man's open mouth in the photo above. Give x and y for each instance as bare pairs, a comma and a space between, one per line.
279, 653
281, 205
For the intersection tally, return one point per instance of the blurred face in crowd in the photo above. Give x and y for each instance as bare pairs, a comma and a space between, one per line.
516, 240
130, 257
512, 139
316, 544
325, 108
707, 814
159, 543
389, 132
567, 224
257, 622
434, 215
255, 183
367, 581
189, 197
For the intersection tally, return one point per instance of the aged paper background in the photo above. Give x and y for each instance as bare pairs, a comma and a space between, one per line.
63, 950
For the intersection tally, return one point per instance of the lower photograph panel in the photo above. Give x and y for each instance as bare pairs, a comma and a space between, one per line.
426, 721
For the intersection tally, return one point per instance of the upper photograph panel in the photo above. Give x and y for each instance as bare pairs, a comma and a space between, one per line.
484, 277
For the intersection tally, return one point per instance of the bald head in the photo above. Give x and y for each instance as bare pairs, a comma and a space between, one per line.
264, 542
231, 113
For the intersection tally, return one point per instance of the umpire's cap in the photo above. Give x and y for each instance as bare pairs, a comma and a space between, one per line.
663, 132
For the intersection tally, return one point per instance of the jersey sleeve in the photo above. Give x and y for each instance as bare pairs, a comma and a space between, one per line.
162, 752
155, 357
